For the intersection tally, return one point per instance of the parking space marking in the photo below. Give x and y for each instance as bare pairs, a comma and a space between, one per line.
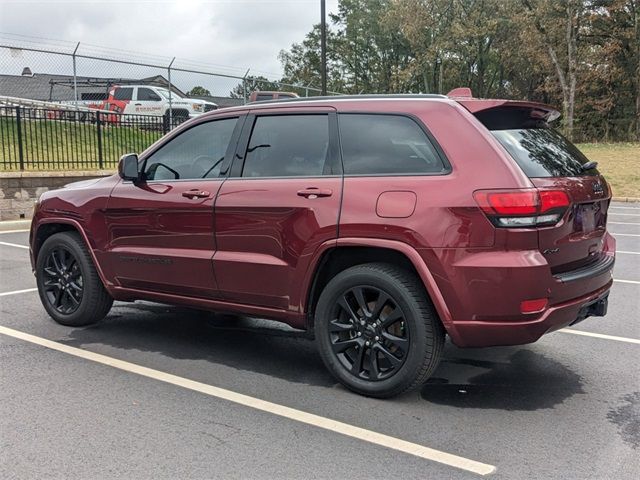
13, 231
625, 214
15, 292
626, 281
601, 335
624, 208
623, 223
7, 244
627, 252
300, 416
624, 234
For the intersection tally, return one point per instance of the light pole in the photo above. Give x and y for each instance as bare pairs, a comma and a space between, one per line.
323, 47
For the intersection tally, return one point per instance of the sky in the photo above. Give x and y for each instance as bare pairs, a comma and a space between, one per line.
230, 35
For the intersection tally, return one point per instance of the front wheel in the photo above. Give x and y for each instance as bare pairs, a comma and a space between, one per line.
69, 286
377, 330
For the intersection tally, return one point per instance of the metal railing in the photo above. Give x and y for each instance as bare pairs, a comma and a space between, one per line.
42, 139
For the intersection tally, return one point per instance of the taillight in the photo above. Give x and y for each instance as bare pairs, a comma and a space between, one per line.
522, 208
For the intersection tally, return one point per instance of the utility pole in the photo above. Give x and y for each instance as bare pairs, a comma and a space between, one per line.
323, 46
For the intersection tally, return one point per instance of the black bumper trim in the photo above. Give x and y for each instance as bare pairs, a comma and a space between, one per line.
602, 265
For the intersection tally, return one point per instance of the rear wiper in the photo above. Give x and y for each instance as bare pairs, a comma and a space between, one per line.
589, 166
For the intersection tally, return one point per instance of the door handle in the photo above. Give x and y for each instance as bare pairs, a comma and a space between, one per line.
137, 104
196, 194
313, 192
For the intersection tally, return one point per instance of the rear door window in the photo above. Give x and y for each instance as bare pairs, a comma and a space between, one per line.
543, 152
123, 93
288, 146
386, 145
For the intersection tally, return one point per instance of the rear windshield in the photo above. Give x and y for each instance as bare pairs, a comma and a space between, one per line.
543, 152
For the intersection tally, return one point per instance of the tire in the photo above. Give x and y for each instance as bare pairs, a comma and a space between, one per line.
382, 359
69, 286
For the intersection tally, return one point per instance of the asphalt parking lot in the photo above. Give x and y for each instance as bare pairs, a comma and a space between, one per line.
163, 392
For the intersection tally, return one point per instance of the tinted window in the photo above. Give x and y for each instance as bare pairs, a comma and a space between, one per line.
386, 144
123, 94
147, 94
543, 152
259, 97
196, 153
288, 145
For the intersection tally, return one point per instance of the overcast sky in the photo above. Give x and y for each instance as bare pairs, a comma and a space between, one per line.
234, 33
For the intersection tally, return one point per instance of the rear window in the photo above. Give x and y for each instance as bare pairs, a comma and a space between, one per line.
543, 152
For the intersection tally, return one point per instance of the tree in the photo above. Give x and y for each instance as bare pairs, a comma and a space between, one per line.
251, 84
199, 92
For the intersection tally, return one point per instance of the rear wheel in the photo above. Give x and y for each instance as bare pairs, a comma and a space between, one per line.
377, 330
69, 286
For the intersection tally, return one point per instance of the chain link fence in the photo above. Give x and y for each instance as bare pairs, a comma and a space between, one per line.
71, 105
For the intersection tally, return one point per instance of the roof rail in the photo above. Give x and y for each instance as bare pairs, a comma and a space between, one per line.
390, 96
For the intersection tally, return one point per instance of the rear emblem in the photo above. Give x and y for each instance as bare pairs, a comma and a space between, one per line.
598, 188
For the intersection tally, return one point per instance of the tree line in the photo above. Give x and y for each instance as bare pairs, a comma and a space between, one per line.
580, 55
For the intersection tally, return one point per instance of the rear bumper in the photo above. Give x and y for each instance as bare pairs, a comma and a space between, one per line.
486, 334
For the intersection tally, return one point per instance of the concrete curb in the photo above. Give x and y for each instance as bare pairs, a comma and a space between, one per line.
8, 225
625, 199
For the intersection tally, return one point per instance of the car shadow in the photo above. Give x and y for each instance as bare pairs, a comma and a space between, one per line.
255, 345
503, 378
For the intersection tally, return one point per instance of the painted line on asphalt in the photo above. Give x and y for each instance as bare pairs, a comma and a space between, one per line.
623, 208
625, 214
625, 234
300, 416
13, 231
16, 292
635, 282
624, 223
600, 335
627, 253
7, 244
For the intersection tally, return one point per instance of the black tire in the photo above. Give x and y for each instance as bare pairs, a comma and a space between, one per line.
69, 286
387, 358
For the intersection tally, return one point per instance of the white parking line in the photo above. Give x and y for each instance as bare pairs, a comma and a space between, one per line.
627, 281
15, 292
623, 223
627, 253
7, 244
600, 335
624, 234
265, 406
624, 208
625, 214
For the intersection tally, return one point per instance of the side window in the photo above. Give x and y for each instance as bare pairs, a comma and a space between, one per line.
195, 153
386, 144
147, 94
288, 146
123, 93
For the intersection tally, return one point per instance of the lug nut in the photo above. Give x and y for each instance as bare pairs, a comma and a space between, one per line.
367, 343
359, 333
377, 338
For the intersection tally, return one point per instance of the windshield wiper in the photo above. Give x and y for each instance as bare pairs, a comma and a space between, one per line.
589, 166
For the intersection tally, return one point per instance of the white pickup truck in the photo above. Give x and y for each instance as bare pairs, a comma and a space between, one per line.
152, 100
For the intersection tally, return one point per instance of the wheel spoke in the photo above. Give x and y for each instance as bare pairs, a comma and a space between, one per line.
56, 261
343, 345
392, 317
374, 371
57, 301
356, 367
358, 293
344, 304
382, 300
336, 327
400, 343
395, 361
73, 299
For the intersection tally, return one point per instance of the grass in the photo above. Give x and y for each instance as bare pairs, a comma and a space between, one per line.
67, 145
619, 163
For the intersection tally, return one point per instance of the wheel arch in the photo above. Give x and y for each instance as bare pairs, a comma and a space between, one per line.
348, 252
50, 226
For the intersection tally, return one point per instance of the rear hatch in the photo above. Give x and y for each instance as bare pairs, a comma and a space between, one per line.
553, 163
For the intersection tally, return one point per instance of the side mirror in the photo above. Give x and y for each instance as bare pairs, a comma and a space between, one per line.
128, 167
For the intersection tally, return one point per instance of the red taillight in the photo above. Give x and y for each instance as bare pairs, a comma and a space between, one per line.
522, 208
533, 306
552, 199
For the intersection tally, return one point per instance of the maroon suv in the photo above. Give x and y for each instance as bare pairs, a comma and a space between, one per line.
380, 223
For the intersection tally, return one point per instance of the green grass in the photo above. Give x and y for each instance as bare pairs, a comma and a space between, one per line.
65, 145
619, 163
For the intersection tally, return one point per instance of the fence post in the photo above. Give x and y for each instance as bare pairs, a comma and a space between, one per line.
170, 104
99, 129
19, 132
75, 78
244, 86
